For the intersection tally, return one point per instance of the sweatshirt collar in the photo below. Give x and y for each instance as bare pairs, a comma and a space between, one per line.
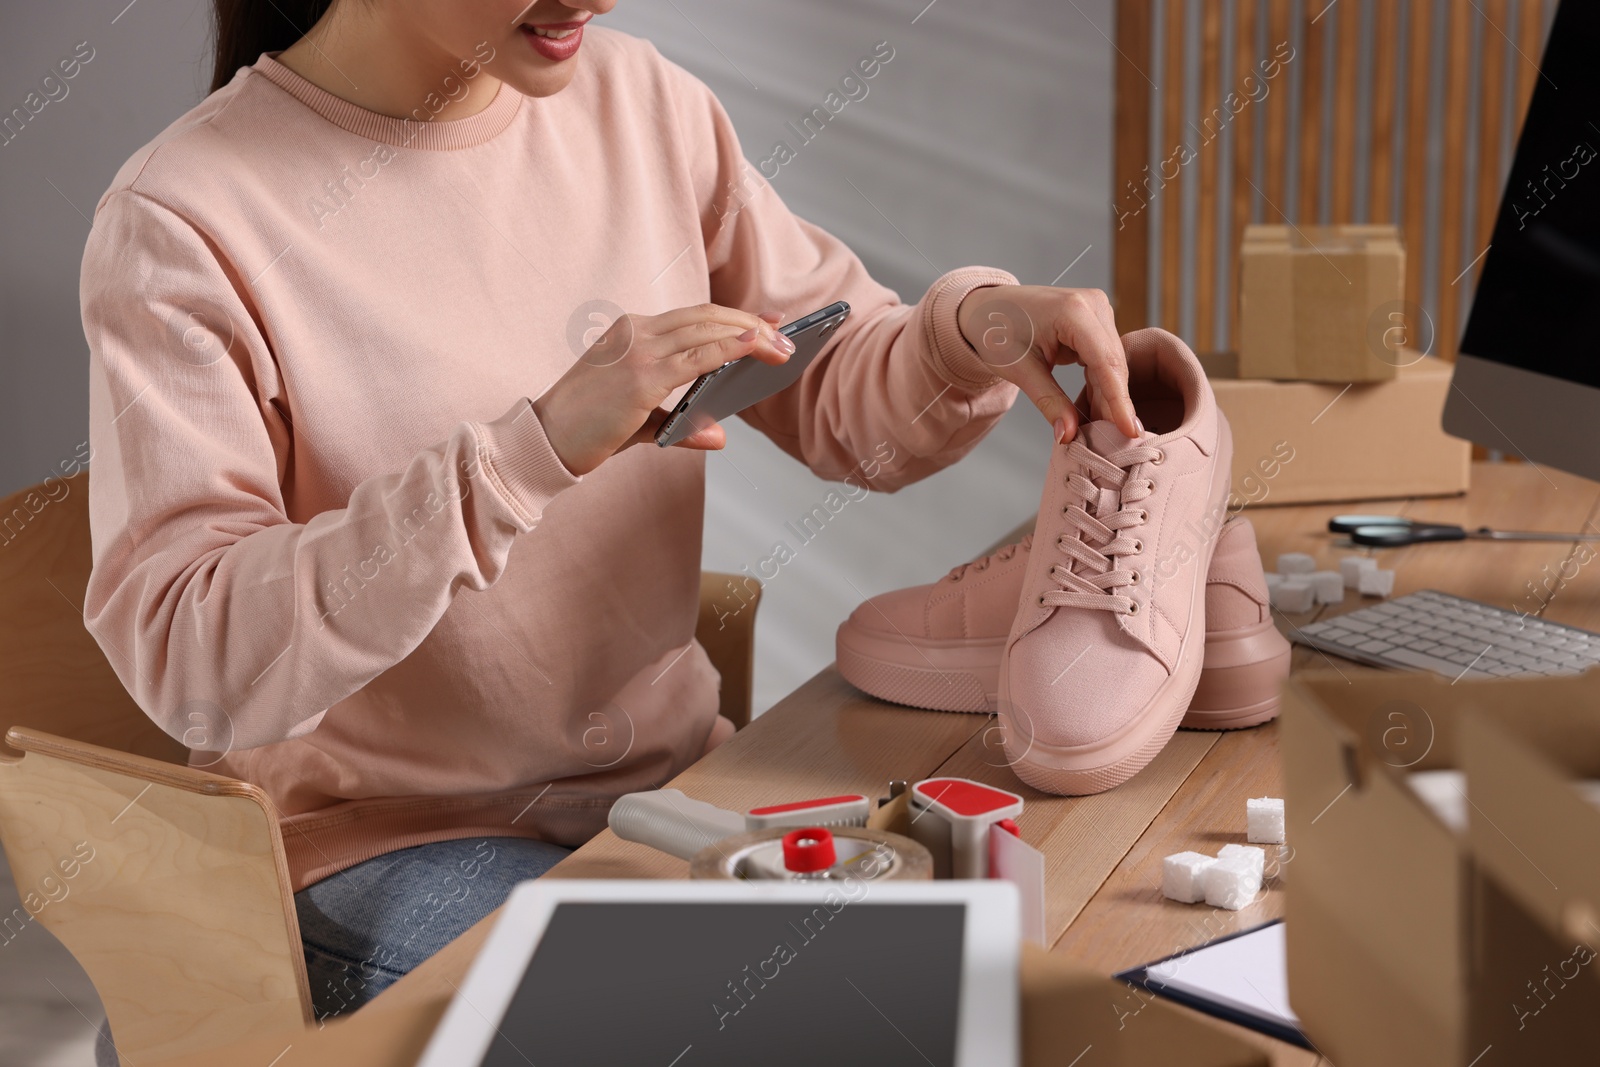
411, 132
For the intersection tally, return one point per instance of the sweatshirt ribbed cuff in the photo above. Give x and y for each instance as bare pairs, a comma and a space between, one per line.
953, 359
521, 463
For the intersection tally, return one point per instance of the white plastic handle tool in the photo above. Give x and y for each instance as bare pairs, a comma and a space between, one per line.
665, 819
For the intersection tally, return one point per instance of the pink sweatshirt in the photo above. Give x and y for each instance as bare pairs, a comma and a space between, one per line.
334, 552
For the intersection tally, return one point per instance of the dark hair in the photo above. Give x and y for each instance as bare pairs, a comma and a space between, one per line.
247, 28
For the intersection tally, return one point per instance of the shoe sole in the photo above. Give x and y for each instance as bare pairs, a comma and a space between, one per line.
955, 675
1239, 676
1240, 680
1083, 770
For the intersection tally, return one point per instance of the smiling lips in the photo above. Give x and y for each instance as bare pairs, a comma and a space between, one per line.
555, 40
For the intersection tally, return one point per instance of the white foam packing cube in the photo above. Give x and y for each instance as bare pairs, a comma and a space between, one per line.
1376, 582
1281, 856
1293, 595
1328, 587
1233, 881
1296, 563
1183, 876
1257, 857
1353, 567
1274, 579
1264, 820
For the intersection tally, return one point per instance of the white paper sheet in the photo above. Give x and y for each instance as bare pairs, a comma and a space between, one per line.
1247, 974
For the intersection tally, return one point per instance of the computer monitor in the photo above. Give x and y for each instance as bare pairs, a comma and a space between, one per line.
1527, 381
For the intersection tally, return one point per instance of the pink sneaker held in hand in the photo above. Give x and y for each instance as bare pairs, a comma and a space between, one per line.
1107, 645
937, 646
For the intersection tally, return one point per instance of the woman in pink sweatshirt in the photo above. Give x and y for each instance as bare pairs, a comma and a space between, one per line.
368, 527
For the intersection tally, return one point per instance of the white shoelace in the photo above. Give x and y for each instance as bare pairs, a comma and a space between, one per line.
1094, 541
999, 554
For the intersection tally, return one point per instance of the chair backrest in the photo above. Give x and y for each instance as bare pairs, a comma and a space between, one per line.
726, 629
53, 675
1311, 112
167, 884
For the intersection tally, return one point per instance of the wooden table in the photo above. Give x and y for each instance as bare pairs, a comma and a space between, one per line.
1105, 906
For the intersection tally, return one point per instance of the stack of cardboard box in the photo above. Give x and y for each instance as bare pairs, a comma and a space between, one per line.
1330, 395
1414, 942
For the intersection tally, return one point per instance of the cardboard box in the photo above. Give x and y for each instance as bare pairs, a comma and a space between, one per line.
1306, 442
1073, 1016
1535, 841
1321, 303
1404, 946
1377, 912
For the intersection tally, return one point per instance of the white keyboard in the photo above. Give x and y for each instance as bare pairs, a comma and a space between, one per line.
1457, 638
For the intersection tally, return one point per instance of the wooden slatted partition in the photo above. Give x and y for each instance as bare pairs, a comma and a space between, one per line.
1130, 266
1418, 58
1385, 99
1347, 69
1311, 112
1310, 157
1492, 84
1242, 208
1457, 99
1210, 128
1172, 257
1276, 136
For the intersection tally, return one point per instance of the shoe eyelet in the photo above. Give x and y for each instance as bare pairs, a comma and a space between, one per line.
1133, 608
1161, 457
1134, 575
1041, 600
1138, 547
1144, 515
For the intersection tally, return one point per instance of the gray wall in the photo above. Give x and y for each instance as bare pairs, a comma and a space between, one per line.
148, 68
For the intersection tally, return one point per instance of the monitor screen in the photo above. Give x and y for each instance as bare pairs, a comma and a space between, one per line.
1540, 288
702, 984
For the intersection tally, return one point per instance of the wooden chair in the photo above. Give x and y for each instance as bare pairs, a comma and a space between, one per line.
1392, 130
168, 884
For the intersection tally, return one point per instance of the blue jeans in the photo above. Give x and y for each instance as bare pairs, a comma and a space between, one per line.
368, 925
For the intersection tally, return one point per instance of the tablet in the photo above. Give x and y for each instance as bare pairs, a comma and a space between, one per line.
703, 974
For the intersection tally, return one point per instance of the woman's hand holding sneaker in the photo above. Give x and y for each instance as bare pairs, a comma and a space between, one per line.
1023, 332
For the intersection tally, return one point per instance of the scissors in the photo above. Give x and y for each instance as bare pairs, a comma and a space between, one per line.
1393, 531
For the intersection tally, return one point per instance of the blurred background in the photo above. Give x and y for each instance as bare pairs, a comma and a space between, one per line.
985, 140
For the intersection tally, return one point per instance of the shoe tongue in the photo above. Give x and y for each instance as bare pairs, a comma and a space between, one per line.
1103, 437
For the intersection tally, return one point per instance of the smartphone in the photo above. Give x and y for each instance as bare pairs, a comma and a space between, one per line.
735, 386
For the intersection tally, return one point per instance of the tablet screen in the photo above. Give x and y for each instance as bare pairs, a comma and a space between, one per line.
701, 984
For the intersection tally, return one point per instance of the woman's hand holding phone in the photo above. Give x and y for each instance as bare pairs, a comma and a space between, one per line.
611, 398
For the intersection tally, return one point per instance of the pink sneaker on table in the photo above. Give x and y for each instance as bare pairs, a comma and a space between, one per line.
1246, 657
937, 646
1106, 649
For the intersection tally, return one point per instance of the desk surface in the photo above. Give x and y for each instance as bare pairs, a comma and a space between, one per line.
1104, 852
